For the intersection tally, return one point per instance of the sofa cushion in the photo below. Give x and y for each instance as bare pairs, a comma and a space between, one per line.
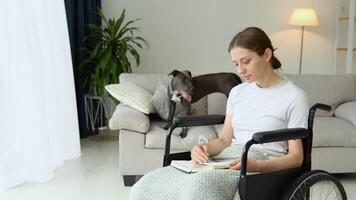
333, 132
132, 95
156, 136
328, 89
125, 117
347, 111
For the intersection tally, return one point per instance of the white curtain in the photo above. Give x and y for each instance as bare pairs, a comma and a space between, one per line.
38, 117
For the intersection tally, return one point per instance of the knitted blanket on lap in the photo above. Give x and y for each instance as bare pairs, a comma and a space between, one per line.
169, 183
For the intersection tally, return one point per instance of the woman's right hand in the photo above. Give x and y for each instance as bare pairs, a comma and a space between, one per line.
199, 153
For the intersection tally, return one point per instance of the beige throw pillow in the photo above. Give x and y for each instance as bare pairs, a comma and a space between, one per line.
128, 118
132, 95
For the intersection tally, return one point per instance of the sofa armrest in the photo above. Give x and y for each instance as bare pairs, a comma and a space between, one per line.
347, 111
125, 117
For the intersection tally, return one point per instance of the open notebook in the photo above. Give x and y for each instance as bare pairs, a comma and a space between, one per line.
190, 167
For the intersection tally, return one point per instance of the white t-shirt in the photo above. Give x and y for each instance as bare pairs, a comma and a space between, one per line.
256, 109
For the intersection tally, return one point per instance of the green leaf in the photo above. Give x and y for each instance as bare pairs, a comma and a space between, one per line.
104, 60
121, 19
137, 43
113, 70
125, 28
143, 40
135, 55
94, 53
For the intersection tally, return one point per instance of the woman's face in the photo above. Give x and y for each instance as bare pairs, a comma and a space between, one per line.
249, 64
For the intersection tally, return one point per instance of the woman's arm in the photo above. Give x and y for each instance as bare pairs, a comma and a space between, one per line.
225, 137
201, 152
293, 159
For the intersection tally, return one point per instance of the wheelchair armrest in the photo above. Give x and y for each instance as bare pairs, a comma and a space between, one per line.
201, 120
279, 135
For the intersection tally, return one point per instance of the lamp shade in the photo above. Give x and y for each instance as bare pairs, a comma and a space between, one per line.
304, 17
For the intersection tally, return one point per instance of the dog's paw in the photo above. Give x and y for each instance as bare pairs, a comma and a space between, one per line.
184, 132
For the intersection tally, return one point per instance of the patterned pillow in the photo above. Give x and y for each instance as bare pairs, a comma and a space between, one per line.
132, 95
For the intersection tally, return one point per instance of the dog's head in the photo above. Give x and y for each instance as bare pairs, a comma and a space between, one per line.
182, 82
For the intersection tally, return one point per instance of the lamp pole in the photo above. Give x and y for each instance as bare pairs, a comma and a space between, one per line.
303, 17
301, 52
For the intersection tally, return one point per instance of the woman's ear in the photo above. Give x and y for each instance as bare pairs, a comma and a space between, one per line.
268, 54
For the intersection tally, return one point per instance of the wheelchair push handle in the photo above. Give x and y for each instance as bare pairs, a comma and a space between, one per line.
316, 106
323, 106
312, 111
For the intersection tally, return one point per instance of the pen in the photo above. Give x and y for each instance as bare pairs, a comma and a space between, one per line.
203, 140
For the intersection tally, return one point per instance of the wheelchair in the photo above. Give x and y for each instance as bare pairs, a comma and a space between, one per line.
300, 183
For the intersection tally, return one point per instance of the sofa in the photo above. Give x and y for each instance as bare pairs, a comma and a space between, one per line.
142, 137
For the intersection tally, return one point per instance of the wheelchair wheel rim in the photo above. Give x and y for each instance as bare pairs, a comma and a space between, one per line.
319, 186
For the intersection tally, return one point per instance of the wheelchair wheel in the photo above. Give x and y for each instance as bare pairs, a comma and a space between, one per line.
316, 184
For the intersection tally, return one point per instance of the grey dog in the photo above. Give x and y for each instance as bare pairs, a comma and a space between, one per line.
191, 89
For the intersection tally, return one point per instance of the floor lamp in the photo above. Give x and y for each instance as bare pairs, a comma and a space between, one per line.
303, 17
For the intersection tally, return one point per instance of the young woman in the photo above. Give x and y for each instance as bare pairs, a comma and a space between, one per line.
265, 101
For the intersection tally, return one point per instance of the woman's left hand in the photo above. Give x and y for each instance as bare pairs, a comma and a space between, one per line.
252, 165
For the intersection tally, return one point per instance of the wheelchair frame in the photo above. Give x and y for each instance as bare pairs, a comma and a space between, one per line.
265, 182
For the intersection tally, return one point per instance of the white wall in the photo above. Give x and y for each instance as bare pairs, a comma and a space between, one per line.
195, 34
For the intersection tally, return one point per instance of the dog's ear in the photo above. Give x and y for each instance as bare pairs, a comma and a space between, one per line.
190, 74
187, 73
174, 72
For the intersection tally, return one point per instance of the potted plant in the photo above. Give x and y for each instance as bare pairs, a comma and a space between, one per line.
114, 52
